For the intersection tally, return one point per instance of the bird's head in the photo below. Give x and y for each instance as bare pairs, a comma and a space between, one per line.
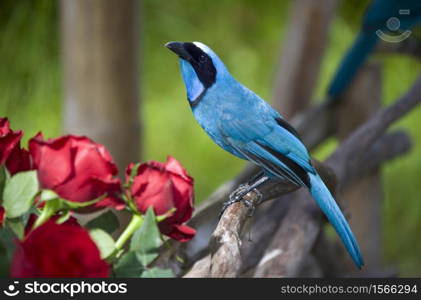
201, 68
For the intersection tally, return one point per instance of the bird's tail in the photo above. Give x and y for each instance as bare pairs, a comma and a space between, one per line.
352, 61
329, 207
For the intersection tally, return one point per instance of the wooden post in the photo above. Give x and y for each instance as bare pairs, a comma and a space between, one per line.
364, 198
302, 54
100, 78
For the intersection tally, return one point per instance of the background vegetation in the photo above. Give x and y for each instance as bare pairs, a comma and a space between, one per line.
248, 35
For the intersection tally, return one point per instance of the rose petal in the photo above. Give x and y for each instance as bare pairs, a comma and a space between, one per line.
53, 159
174, 166
58, 250
18, 161
181, 233
8, 143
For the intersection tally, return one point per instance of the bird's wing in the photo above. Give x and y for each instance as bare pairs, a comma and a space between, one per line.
269, 141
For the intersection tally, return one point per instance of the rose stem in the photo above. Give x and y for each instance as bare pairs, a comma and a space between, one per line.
134, 224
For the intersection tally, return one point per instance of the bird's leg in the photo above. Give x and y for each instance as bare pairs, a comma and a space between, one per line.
256, 177
243, 190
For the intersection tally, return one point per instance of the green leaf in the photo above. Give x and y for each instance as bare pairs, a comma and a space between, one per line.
157, 273
19, 193
7, 248
17, 226
128, 266
133, 171
103, 240
147, 239
106, 221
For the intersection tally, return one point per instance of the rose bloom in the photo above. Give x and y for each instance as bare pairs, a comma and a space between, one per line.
77, 169
165, 186
58, 250
12, 155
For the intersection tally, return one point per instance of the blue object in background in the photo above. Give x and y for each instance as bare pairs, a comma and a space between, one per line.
245, 125
386, 18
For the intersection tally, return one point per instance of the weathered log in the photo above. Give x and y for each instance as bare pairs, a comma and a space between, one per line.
225, 242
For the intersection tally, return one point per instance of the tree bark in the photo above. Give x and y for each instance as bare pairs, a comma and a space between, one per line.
100, 74
302, 55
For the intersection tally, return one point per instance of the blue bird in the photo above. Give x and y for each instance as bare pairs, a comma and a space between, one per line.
389, 19
245, 125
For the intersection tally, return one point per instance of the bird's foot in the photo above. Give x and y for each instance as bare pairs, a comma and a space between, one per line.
238, 195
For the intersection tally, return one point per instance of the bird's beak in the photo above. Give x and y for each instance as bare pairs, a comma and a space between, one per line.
178, 48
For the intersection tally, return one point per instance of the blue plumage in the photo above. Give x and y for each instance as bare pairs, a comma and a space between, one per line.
245, 125
375, 21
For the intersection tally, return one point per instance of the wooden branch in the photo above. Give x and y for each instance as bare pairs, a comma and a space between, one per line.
385, 149
352, 149
225, 241
293, 240
308, 32
200, 269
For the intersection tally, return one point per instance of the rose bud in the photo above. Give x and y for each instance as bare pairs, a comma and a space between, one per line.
77, 169
58, 250
12, 155
168, 189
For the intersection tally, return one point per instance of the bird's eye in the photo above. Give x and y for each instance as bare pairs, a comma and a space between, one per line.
202, 58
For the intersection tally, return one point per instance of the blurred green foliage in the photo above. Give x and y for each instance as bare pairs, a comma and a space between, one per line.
248, 35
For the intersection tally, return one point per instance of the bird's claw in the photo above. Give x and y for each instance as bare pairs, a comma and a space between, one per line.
238, 195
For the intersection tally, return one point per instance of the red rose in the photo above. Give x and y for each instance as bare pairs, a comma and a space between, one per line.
11, 154
77, 169
58, 250
165, 186
1, 216
19, 160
